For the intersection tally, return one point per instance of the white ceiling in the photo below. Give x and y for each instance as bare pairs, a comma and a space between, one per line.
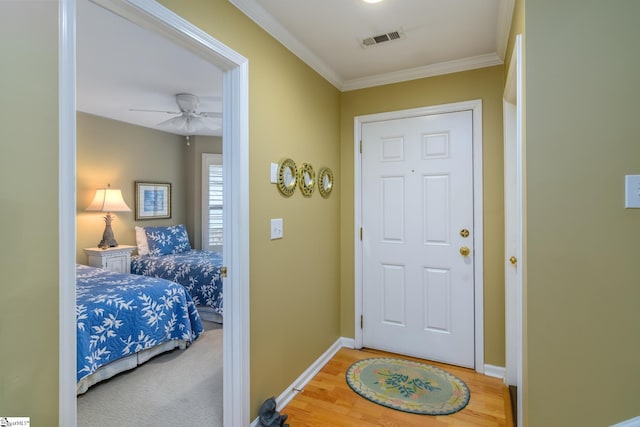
440, 36
122, 66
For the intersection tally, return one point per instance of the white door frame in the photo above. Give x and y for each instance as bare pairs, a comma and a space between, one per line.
156, 17
514, 222
476, 107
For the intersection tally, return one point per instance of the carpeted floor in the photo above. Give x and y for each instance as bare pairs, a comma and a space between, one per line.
179, 388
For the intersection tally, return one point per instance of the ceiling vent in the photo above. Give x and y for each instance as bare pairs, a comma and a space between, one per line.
382, 38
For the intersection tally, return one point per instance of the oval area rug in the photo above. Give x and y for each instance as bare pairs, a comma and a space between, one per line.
408, 386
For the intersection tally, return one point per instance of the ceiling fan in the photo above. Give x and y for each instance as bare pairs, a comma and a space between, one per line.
189, 121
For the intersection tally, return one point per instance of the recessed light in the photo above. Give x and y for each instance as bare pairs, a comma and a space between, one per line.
372, 1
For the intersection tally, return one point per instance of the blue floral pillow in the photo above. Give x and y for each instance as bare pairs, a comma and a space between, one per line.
167, 240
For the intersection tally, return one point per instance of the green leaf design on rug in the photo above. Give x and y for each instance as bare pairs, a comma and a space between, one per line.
408, 386
403, 384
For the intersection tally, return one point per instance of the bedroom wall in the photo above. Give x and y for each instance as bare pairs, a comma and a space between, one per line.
293, 112
486, 84
583, 290
118, 153
29, 213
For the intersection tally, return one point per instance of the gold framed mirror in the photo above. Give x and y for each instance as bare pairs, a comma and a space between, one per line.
287, 173
325, 181
306, 179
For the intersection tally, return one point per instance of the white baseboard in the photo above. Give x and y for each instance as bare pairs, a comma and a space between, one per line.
495, 371
297, 385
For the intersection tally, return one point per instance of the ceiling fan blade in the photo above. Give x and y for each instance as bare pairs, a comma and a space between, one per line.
155, 111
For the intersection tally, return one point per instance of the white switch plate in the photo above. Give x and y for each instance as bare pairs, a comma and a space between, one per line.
632, 191
274, 173
276, 228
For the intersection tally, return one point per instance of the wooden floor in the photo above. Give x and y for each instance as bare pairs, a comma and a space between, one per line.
327, 400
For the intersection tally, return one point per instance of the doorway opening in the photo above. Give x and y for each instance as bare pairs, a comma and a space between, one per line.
236, 214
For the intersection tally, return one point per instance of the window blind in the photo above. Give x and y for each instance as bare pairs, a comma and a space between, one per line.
215, 204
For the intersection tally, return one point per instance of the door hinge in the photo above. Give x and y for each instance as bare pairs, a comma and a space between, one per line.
361, 321
223, 272
360, 233
360, 146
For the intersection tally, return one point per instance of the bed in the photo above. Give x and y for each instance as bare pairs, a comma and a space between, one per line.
165, 252
123, 320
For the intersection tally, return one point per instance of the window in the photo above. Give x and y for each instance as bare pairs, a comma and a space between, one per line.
212, 202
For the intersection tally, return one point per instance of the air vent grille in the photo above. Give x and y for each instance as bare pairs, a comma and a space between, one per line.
382, 38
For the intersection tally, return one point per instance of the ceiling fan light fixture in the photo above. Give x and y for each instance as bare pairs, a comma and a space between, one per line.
190, 125
187, 102
189, 121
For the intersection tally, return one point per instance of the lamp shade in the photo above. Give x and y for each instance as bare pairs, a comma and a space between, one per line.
108, 200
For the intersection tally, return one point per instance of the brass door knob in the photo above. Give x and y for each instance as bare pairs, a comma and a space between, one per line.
465, 251
513, 260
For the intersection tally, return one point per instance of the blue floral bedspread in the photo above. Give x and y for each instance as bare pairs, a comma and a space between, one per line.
121, 314
196, 270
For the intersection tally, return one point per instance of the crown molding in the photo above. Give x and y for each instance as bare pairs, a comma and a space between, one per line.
505, 16
268, 23
441, 68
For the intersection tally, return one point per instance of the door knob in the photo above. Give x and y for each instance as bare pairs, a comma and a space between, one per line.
465, 251
513, 260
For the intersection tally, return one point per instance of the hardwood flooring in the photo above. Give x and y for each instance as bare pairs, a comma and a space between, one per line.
327, 400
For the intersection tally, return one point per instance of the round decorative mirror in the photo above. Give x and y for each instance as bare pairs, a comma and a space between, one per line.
306, 179
287, 174
325, 181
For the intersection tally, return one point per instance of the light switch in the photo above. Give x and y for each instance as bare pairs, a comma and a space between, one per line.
632, 191
276, 228
274, 173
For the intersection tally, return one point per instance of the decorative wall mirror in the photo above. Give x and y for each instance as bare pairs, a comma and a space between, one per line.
306, 179
287, 174
325, 181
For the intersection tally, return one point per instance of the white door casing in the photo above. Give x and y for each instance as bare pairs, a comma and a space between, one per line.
439, 277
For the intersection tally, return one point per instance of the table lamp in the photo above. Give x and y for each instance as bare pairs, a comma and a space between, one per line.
108, 200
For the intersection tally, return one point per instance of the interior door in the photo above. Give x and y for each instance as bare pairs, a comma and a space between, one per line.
417, 237
514, 194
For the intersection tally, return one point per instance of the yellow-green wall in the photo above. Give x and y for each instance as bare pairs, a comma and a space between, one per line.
485, 84
29, 211
583, 290
293, 112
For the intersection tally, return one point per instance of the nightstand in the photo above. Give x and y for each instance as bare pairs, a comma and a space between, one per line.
116, 259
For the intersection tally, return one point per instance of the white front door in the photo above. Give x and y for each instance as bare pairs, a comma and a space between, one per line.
417, 220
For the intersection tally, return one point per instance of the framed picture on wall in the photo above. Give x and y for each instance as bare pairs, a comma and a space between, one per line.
153, 200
